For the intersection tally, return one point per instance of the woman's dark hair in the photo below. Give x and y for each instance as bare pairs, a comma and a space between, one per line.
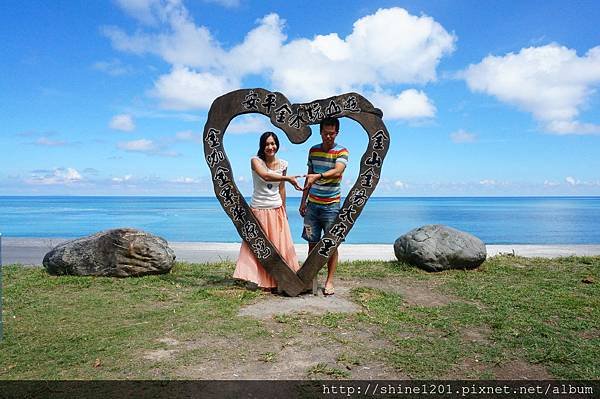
263, 143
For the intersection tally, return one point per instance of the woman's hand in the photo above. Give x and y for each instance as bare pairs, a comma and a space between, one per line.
292, 180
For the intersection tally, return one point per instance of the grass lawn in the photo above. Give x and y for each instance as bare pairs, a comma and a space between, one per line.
511, 318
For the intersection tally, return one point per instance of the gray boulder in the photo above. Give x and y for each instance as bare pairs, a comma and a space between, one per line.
118, 253
436, 247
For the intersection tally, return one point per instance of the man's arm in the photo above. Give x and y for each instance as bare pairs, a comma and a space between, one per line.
333, 173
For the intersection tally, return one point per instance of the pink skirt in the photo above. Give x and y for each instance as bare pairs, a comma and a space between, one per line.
275, 224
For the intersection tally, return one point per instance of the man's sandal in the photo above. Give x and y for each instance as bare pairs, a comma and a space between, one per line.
328, 291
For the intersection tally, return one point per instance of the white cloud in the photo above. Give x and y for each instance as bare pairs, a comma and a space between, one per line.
44, 139
259, 49
399, 184
142, 10
399, 47
168, 153
47, 142
91, 171
551, 82
488, 182
225, 3
573, 127
123, 122
54, 177
114, 67
186, 180
185, 135
386, 48
571, 181
410, 104
123, 179
150, 12
184, 89
332, 47
180, 42
147, 147
249, 124
141, 145
462, 136
136, 44
188, 135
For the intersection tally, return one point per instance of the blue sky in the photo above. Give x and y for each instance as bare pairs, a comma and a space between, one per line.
482, 98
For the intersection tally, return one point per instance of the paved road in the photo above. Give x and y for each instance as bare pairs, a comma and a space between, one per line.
31, 251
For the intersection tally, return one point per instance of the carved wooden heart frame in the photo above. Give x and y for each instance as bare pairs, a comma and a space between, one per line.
294, 120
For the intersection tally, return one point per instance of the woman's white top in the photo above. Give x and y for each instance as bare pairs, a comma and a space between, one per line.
266, 193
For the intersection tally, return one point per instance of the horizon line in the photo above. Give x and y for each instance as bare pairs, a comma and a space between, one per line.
248, 197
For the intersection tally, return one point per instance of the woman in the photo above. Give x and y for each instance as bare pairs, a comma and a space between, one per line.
269, 175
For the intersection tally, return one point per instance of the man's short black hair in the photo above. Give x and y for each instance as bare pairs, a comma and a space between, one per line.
330, 121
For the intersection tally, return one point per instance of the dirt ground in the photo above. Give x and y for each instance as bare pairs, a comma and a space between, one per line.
281, 357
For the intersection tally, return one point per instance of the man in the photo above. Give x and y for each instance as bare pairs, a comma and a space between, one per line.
326, 164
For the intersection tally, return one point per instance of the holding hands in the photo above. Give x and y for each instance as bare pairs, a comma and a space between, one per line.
311, 178
292, 180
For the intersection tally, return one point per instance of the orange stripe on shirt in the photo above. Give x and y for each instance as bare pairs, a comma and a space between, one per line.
330, 154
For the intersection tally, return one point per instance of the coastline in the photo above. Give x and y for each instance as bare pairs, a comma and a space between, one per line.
31, 251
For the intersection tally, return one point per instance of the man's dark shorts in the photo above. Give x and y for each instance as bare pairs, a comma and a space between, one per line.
318, 218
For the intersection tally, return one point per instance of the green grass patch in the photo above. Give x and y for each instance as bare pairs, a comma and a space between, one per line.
545, 312
541, 309
324, 371
56, 327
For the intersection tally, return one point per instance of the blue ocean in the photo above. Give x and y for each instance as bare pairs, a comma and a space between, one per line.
505, 220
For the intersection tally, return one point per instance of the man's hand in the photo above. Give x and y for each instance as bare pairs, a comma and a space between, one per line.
302, 208
311, 178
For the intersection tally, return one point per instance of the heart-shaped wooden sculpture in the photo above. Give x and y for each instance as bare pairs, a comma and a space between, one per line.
294, 120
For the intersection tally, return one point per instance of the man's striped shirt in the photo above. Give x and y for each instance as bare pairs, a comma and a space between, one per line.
326, 191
